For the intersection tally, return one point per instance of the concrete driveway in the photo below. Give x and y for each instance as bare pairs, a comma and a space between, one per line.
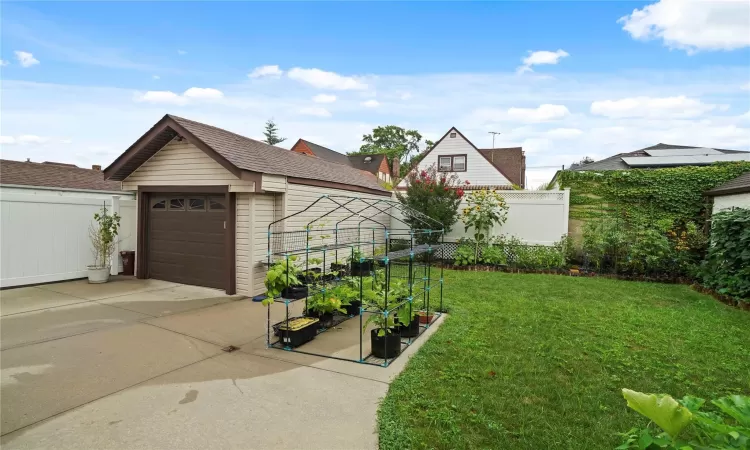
139, 364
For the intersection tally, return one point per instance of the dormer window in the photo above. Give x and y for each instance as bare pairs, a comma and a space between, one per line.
452, 163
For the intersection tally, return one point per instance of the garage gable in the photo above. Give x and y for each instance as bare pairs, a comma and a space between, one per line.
180, 163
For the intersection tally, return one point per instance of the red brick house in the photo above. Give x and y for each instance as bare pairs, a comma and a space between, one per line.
374, 164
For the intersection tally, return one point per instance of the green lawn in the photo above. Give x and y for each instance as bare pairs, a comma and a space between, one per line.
538, 361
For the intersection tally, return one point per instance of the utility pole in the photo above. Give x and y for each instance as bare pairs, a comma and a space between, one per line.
493, 133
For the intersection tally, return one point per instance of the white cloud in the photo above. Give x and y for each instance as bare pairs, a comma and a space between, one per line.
564, 133
26, 59
3, 63
23, 139
203, 93
181, 52
156, 77
66, 141
543, 113
171, 98
266, 71
325, 80
405, 96
7, 140
371, 104
692, 25
541, 57
745, 87
324, 98
651, 107
316, 111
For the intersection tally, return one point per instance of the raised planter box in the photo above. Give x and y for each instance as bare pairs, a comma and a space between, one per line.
297, 331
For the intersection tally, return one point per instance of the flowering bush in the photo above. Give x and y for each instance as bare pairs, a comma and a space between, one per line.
434, 194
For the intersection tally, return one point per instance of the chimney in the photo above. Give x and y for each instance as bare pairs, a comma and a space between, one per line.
96, 167
395, 170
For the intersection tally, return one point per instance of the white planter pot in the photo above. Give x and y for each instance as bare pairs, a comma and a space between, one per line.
98, 274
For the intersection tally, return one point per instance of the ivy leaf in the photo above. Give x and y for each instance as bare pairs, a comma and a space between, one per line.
663, 410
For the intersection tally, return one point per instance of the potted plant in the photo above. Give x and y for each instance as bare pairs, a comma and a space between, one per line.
297, 331
339, 269
282, 280
385, 341
103, 234
360, 266
322, 305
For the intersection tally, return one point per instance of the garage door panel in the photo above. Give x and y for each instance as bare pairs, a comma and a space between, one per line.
187, 246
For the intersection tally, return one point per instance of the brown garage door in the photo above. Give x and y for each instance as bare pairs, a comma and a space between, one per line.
186, 239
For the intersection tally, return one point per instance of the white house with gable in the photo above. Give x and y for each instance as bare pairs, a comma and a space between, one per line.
454, 153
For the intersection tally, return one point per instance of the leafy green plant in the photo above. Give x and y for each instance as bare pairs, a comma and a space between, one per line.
494, 255
280, 276
484, 211
727, 265
464, 255
383, 315
684, 426
103, 233
325, 302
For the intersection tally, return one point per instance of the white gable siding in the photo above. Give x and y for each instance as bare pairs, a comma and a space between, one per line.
180, 163
478, 169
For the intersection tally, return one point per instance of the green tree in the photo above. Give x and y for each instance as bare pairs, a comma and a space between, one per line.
272, 133
394, 141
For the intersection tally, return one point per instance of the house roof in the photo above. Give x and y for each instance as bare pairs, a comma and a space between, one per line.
358, 162
509, 160
327, 154
735, 186
237, 154
54, 175
499, 169
617, 162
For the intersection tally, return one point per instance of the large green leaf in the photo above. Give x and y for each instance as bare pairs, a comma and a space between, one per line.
737, 406
663, 410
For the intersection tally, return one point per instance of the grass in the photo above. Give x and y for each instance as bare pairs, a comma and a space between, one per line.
538, 361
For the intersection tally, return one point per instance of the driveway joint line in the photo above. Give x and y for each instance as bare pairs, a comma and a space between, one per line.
50, 307
26, 344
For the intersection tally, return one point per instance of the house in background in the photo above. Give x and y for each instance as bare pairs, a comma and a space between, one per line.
732, 194
374, 164
664, 155
51, 178
499, 168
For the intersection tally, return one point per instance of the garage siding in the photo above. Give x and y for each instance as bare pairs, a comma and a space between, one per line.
180, 164
242, 243
263, 214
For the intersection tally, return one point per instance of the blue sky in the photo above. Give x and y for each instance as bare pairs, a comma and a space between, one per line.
82, 81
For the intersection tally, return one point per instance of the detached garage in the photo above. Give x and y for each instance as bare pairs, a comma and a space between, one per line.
206, 197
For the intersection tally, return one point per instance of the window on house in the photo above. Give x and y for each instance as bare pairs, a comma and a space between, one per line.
197, 204
159, 204
453, 135
216, 204
453, 163
177, 204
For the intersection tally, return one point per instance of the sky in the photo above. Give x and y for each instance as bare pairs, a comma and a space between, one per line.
82, 81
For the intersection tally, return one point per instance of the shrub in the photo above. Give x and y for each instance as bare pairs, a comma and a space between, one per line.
485, 209
434, 194
727, 265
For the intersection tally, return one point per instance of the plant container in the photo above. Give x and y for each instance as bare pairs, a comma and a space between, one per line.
98, 275
312, 275
294, 292
342, 269
411, 330
298, 331
325, 319
386, 346
362, 269
353, 308
424, 318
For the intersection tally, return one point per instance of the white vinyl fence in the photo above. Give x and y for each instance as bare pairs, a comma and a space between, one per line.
535, 217
45, 237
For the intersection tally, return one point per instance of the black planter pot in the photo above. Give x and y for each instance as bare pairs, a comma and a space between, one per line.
411, 330
342, 269
361, 268
326, 319
294, 292
387, 346
312, 275
353, 308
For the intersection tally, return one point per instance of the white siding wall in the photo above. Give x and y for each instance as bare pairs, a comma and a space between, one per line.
274, 183
478, 169
46, 238
180, 164
535, 217
731, 201
264, 212
242, 243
